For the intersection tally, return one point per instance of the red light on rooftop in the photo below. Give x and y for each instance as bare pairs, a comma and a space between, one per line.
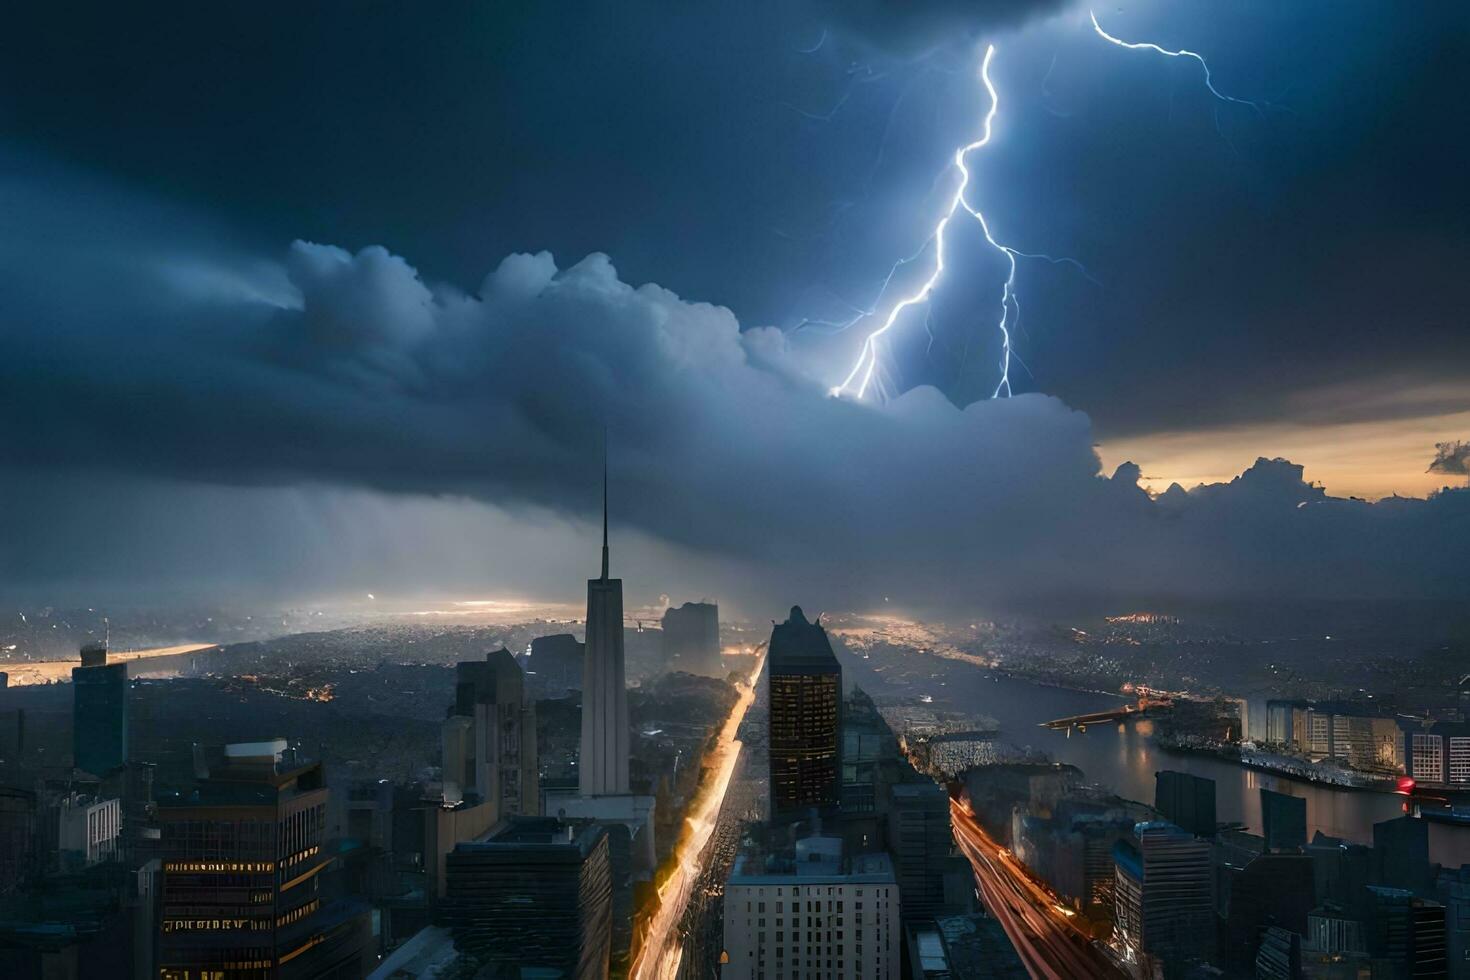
1405, 785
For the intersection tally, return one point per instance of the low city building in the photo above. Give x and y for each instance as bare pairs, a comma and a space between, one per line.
814, 914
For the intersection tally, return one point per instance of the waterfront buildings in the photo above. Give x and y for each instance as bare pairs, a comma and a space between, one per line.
816, 914
99, 712
1357, 736
691, 639
1164, 904
243, 850
535, 896
805, 739
1439, 754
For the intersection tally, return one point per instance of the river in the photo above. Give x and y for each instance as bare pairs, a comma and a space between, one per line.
1124, 756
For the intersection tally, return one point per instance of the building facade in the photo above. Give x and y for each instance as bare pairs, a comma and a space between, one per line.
87, 830
805, 738
1439, 754
1164, 906
535, 895
816, 917
242, 853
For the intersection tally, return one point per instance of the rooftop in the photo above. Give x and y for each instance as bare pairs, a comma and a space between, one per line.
799, 643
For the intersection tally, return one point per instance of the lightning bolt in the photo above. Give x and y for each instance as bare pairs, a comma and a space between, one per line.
861, 375
1181, 53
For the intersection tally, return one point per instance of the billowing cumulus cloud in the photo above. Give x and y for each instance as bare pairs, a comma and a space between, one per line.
1451, 458
351, 369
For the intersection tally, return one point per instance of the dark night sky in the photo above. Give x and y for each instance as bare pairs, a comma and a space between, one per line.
1303, 265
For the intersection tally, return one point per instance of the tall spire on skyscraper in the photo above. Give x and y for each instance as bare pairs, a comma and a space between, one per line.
602, 768
604, 503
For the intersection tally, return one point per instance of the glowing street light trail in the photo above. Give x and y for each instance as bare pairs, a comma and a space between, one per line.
662, 950
861, 376
1181, 53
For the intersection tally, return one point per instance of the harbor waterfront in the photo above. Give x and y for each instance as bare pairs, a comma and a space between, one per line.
1123, 756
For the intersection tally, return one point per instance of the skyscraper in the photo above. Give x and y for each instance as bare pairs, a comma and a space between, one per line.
805, 741
1186, 800
691, 638
603, 766
243, 853
99, 712
1283, 820
1164, 902
490, 737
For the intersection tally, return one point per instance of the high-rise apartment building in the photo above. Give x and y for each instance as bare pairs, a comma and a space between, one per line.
805, 743
489, 738
99, 712
242, 852
1163, 899
817, 916
534, 896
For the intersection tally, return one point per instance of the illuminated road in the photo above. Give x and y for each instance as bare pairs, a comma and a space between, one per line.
1050, 945
662, 949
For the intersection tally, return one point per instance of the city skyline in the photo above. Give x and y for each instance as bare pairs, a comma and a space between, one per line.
1034, 439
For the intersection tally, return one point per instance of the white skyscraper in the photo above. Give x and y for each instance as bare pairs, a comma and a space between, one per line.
603, 767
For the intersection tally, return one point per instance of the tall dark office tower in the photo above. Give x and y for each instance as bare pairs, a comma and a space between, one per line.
920, 841
536, 895
1186, 801
1283, 821
490, 737
805, 742
556, 661
99, 712
602, 769
691, 638
243, 856
1401, 850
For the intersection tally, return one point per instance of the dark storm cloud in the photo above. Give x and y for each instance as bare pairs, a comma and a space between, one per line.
1452, 458
1312, 246
350, 369
919, 26
1253, 265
